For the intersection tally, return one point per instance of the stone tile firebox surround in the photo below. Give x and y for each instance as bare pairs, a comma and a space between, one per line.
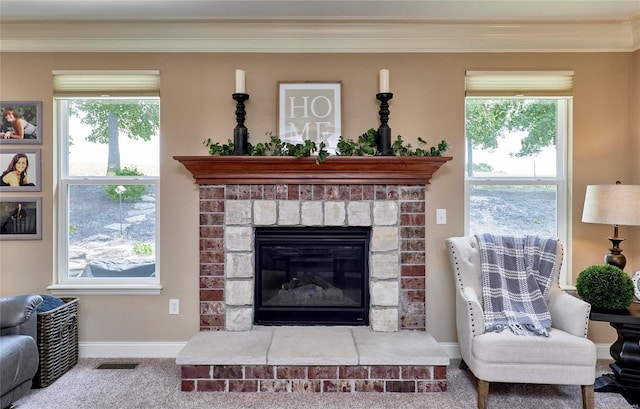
229, 213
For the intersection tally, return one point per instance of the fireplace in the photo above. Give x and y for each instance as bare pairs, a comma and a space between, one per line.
382, 200
241, 194
311, 276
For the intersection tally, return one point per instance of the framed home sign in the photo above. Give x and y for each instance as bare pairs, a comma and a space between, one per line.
20, 169
21, 122
310, 111
21, 218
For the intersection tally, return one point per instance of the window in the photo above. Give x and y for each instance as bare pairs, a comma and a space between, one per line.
516, 163
108, 185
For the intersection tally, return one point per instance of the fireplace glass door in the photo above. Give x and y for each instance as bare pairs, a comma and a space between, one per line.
312, 276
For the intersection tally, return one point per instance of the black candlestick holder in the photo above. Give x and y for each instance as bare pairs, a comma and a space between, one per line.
384, 132
240, 132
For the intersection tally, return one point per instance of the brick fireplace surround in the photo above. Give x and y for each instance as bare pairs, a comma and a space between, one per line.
385, 193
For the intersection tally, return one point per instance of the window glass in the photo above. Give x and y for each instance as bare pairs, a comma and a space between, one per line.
511, 137
513, 209
108, 190
112, 230
516, 166
106, 132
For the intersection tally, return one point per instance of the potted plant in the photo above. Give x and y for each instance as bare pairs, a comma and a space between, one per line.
605, 287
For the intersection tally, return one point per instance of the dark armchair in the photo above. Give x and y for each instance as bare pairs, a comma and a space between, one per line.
18, 347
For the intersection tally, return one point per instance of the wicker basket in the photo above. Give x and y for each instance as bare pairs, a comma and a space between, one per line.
57, 342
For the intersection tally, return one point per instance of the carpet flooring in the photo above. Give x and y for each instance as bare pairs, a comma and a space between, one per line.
155, 383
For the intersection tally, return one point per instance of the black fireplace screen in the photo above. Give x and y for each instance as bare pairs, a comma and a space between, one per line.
312, 276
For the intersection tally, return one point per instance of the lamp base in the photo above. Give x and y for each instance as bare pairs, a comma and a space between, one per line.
615, 256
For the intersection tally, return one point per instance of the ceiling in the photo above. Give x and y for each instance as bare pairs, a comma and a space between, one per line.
433, 10
319, 25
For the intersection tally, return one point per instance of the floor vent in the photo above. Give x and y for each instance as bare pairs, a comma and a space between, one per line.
118, 366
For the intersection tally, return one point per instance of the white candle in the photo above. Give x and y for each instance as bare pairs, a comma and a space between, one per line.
384, 81
240, 82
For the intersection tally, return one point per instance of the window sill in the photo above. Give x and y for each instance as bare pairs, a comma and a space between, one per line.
104, 289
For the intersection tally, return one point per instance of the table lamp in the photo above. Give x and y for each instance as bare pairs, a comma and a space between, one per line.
613, 204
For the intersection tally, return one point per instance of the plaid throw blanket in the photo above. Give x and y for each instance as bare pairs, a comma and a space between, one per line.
516, 280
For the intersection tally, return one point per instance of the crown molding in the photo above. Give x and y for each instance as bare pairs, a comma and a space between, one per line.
318, 36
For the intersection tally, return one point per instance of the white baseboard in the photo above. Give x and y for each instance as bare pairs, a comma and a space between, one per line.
171, 349
130, 349
453, 350
602, 351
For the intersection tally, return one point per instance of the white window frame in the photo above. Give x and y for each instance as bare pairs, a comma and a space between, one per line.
63, 284
563, 138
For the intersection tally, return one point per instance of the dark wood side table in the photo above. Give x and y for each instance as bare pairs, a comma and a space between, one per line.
625, 378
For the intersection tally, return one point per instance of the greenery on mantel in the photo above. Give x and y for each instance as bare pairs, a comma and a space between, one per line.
365, 145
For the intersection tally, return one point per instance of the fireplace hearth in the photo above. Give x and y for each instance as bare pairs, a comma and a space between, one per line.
312, 276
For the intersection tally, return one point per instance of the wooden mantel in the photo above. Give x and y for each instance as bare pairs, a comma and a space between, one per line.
367, 170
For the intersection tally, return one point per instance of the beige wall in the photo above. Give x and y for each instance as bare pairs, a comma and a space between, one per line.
428, 102
634, 133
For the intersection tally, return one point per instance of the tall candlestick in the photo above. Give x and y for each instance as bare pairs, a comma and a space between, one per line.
240, 133
240, 89
383, 139
384, 81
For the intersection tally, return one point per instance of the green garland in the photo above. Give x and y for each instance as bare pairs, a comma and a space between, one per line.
365, 145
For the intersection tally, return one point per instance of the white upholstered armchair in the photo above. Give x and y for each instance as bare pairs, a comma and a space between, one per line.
565, 357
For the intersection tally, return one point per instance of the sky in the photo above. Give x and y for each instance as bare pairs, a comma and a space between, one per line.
503, 161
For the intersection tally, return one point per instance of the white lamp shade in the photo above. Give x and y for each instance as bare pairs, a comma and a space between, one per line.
612, 204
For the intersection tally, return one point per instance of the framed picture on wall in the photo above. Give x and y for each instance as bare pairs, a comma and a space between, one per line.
21, 170
21, 122
21, 218
310, 111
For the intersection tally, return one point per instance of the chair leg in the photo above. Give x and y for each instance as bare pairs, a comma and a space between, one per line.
483, 394
587, 397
